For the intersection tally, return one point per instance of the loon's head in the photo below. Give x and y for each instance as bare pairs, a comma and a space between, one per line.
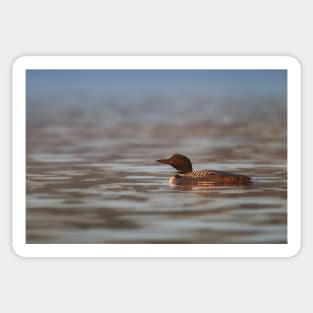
180, 162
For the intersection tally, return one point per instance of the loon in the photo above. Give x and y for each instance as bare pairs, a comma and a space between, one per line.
185, 175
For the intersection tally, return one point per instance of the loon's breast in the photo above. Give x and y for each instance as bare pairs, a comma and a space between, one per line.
209, 177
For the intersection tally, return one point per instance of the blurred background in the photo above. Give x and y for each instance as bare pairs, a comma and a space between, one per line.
93, 137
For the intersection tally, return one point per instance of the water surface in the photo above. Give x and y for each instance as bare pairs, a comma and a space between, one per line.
92, 176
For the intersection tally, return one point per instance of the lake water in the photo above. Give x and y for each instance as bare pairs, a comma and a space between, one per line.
92, 175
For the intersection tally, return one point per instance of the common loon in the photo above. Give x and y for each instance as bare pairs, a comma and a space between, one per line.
185, 175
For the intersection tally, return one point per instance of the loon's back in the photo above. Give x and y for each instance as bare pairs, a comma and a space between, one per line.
209, 177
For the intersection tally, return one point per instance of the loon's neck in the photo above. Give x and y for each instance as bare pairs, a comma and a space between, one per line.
180, 175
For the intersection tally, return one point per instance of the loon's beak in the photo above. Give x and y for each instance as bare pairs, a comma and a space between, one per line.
165, 161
